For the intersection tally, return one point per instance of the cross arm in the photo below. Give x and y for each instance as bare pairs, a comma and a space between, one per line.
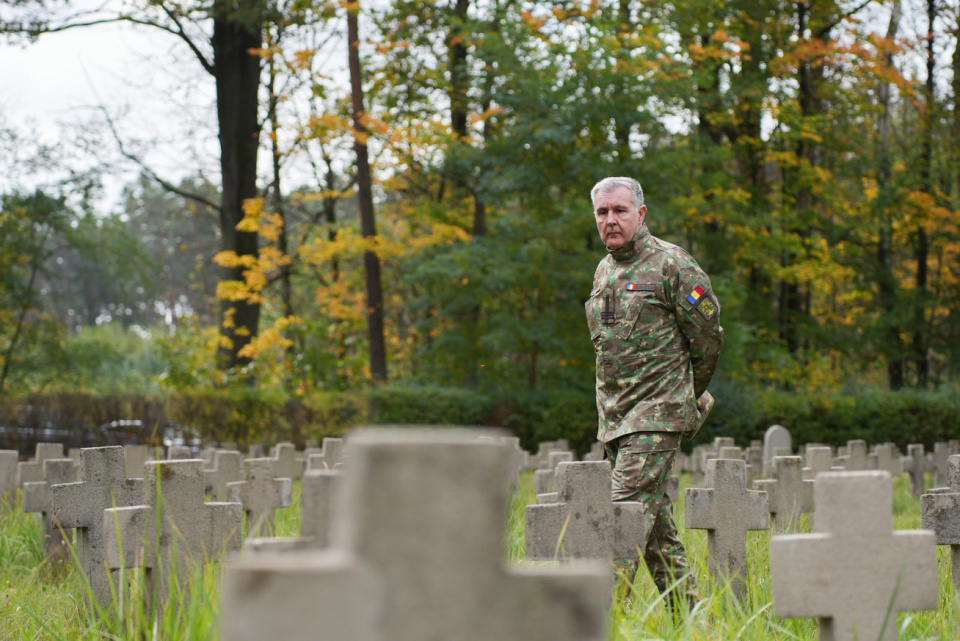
124, 530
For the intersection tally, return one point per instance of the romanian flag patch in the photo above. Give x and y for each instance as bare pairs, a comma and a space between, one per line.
641, 287
695, 295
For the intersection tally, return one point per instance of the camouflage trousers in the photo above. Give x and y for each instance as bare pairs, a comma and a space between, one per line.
642, 462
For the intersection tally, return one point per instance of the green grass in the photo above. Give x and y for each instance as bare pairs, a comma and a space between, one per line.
41, 601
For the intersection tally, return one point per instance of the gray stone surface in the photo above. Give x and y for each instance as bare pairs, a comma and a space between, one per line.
776, 436
32, 470
940, 512
38, 497
286, 463
135, 457
8, 474
855, 458
819, 459
261, 494
179, 453
941, 455
190, 531
885, 457
727, 510
854, 568
328, 457
584, 523
915, 463
103, 484
545, 481
227, 468
788, 495
416, 555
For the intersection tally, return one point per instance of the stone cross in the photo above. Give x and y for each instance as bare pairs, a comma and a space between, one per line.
819, 459
545, 480
940, 512
135, 457
854, 572
286, 465
776, 436
179, 453
416, 555
727, 510
32, 471
788, 495
260, 495
856, 457
8, 474
885, 457
596, 452
916, 464
585, 523
38, 497
103, 484
941, 454
328, 457
190, 533
227, 468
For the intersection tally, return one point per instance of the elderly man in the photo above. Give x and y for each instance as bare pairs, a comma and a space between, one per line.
655, 324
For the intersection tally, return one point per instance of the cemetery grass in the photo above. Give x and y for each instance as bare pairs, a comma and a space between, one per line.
39, 600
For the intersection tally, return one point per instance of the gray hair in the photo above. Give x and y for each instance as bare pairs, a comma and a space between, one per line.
613, 182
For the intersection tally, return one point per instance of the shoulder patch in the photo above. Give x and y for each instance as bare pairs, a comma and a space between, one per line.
707, 308
696, 295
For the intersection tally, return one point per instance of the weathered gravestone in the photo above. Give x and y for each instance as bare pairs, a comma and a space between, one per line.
179, 453
316, 516
8, 474
916, 464
327, 457
135, 457
38, 497
854, 572
286, 464
819, 459
416, 555
227, 468
855, 458
940, 512
545, 480
261, 493
941, 468
885, 457
184, 534
788, 495
727, 510
775, 439
80, 505
585, 523
32, 471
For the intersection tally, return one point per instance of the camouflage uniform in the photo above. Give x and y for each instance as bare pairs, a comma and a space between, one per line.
655, 325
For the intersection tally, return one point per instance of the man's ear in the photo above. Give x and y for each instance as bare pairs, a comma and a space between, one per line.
643, 213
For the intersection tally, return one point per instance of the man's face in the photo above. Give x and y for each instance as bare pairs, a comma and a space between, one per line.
618, 219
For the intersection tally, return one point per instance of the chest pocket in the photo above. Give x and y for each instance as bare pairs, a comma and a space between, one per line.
634, 307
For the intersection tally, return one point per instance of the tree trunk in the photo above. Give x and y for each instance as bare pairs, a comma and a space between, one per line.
371, 263
922, 246
237, 74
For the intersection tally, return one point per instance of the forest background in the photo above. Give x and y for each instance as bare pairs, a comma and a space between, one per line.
400, 230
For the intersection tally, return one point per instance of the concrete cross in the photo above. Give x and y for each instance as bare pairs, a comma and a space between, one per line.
190, 532
8, 474
179, 453
856, 457
916, 464
227, 468
32, 470
885, 457
135, 457
38, 497
416, 555
585, 523
941, 454
286, 464
940, 512
788, 495
819, 459
854, 572
260, 495
103, 484
727, 510
328, 457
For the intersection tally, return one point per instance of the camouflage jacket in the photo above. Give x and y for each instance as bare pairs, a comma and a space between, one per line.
655, 324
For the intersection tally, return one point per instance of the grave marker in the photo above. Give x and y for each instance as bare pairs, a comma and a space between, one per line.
80, 505
38, 497
916, 464
286, 464
819, 459
135, 457
592, 526
776, 436
788, 495
416, 555
941, 454
227, 468
260, 495
32, 471
854, 569
855, 458
727, 510
940, 512
328, 457
885, 457
8, 474
317, 516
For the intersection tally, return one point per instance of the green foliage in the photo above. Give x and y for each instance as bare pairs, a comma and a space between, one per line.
427, 406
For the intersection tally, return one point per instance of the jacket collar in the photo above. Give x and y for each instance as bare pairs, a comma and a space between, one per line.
632, 249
